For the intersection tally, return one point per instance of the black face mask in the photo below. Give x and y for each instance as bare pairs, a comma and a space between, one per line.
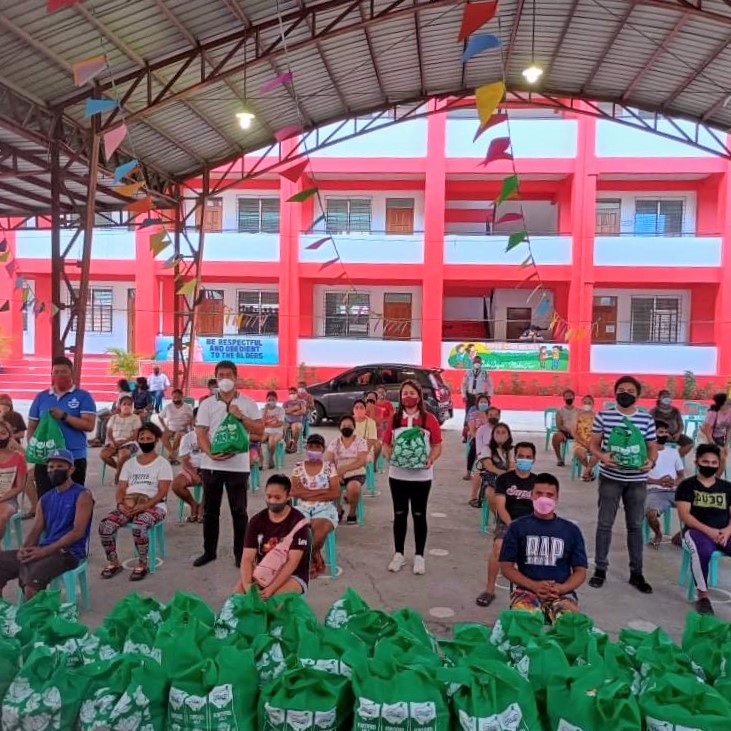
4, 443
493, 420
568, 401
370, 401
57, 477
625, 400
705, 470
347, 431
663, 439
146, 447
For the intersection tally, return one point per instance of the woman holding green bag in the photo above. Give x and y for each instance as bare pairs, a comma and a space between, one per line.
412, 443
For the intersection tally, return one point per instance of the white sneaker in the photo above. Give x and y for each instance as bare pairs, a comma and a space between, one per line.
419, 565
397, 562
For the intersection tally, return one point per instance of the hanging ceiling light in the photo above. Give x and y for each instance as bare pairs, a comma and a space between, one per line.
533, 72
245, 115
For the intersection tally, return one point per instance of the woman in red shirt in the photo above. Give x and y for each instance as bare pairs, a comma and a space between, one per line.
412, 442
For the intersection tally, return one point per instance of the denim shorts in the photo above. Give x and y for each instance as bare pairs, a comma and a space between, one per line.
319, 511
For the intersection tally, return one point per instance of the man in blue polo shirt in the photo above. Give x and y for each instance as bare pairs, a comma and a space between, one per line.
75, 411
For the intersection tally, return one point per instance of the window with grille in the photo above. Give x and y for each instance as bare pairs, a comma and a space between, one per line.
98, 310
659, 217
347, 314
258, 215
348, 215
608, 216
655, 320
260, 311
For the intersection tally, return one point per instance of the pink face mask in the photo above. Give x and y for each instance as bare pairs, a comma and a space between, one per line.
544, 505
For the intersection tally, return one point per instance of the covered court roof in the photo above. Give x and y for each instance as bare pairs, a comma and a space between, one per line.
182, 69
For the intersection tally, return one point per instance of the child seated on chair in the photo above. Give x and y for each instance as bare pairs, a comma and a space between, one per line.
662, 480
273, 417
190, 459
582, 437
704, 509
58, 540
12, 477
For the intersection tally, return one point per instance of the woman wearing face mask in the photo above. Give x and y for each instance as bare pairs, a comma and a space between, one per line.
582, 438
277, 523
273, 417
316, 486
665, 411
415, 435
350, 454
12, 477
476, 419
14, 420
717, 425
142, 399
122, 431
495, 462
513, 500
143, 487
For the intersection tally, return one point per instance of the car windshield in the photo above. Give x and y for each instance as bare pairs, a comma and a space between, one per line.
436, 380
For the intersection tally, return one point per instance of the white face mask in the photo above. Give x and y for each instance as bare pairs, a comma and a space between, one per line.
586, 407
226, 385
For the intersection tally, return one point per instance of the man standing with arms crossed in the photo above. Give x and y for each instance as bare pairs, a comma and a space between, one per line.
616, 482
225, 470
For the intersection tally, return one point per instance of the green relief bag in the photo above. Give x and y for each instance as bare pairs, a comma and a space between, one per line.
371, 626
576, 635
395, 697
124, 693
707, 642
681, 703
70, 638
39, 609
9, 626
330, 650
412, 623
216, 693
183, 606
349, 604
543, 659
627, 445
409, 449
657, 655
513, 629
271, 657
493, 696
243, 614
46, 438
230, 437
180, 642
582, 699
306, 699
45, 695
9, 663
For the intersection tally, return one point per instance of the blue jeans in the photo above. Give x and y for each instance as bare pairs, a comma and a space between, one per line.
157, 397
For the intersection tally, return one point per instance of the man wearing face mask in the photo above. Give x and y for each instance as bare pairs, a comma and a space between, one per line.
74, 410
618, 482
475, 381
566, 418
665, 411
176, 418
229, 471
544, 556
513, 500
59, 538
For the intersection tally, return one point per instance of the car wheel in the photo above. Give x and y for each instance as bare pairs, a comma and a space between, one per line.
317, 415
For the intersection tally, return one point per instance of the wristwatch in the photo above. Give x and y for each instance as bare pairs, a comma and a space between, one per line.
64, 416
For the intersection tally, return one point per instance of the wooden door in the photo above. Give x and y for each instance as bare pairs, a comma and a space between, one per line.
399, 215
131, 315
212, 217
397, 317
608, 217
604, 317
518, 320
209, 315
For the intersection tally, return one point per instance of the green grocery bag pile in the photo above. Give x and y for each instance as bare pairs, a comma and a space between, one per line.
272, 666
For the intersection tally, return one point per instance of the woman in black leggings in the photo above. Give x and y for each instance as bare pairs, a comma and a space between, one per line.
413, 443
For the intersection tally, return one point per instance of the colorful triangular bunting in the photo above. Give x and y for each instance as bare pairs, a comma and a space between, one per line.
509, 218
122, 171
53, 5
317, 244
294, 173
159, 242
5, 306
476, 15
280, 80
516, 238
492, 122
188, 288
303, 195
286, 132
487, 98
130, 189
140, 206
99, 106
329, 263
88, 69
498, 150
113, 139
509, 189
478, 44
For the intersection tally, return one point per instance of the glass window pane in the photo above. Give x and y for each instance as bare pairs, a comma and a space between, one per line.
337, 215
360, 215
270, 215
248, 215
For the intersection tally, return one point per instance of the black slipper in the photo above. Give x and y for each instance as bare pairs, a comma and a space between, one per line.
597, 581
139, 573
485, 599
110, 572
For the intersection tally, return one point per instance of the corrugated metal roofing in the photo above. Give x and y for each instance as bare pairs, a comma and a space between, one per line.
660, 55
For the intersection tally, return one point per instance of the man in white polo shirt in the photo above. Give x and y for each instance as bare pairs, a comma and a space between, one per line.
225, 470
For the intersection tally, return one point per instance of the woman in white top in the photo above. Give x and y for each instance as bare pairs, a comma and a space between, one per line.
190, 461
143, 487
413, 444
316, 486
122, 430
273, 417
350, 454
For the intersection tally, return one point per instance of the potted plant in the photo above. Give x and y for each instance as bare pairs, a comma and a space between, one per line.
125, 363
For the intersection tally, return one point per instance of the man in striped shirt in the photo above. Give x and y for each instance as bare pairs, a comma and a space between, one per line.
617, 483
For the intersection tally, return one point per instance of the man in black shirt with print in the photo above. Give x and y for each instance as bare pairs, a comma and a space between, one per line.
513, 499
704, 508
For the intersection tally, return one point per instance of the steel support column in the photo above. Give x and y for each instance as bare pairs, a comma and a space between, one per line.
57, 261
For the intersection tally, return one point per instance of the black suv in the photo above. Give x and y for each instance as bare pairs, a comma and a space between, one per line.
335, 397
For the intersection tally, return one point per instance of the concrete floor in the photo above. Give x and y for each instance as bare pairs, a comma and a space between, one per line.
456, 553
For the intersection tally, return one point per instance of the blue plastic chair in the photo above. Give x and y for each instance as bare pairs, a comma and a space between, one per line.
278, 454
370, 483
331, 553
359, 509
686, 575
549, 421
692, 424
69, 580
197, 494
381, 463
577, 468
485, 516
694, 408
156, 534
255, 477
14, 526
